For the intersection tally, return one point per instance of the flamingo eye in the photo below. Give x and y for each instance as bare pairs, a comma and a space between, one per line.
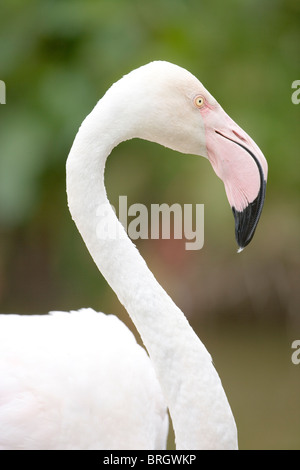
199, 101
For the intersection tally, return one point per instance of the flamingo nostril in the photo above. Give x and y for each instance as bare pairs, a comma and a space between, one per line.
239, 136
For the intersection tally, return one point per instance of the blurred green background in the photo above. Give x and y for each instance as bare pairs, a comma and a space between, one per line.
57, 59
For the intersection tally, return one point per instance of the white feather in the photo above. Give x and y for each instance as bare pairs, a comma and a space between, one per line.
67, 382
79, 380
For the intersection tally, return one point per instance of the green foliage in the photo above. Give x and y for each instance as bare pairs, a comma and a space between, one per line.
58, 57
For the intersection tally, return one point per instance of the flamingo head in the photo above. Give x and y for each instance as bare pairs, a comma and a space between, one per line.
165, 103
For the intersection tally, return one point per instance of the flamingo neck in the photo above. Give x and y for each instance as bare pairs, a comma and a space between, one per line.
198, 406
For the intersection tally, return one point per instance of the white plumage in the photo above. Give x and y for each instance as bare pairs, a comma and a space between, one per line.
67, 382
79, 380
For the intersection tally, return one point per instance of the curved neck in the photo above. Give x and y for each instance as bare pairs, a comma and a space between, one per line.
198, 406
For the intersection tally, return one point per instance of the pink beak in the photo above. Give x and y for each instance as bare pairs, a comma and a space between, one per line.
241, 165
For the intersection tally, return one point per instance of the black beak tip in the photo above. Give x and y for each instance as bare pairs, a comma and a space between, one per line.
244, 226
246, 220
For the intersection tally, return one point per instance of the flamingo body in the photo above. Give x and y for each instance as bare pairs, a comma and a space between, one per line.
67, 382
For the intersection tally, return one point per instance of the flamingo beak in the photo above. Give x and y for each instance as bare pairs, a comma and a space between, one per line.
239, 162
247, 218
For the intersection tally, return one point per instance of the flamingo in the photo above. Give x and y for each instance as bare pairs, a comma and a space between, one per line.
79, 380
